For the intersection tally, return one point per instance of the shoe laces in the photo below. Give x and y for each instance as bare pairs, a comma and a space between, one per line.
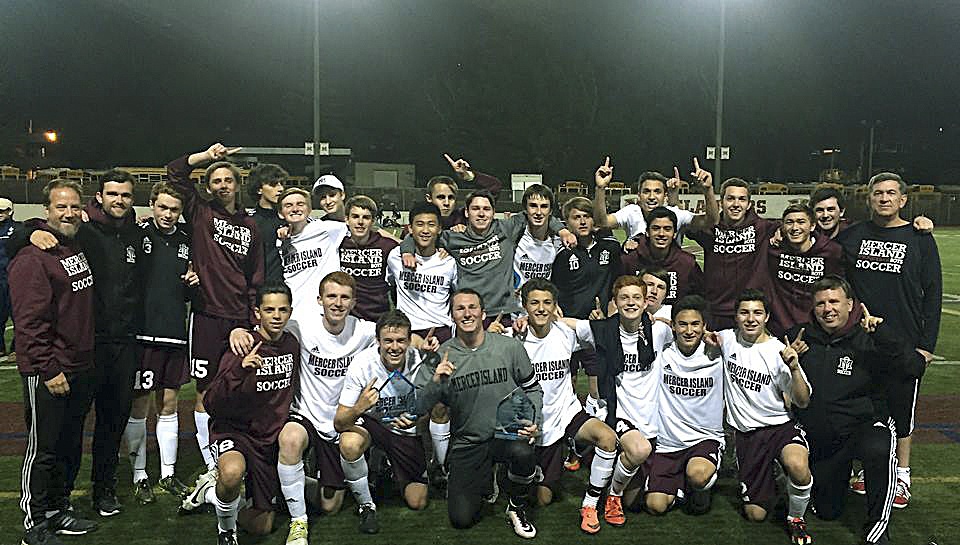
903, 489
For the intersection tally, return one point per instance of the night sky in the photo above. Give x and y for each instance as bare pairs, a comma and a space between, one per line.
511, 85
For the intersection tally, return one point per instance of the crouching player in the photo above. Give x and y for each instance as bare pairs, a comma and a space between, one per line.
550, 346
377, 408
248, 401
690, 444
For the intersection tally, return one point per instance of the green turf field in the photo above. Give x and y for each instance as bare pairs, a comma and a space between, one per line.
931, 516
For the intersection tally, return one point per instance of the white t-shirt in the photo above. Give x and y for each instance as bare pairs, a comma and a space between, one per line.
308, 257
534, 258
754, 380
323, 365
423, 294
631, 218
550, 357
367, 366
690, 400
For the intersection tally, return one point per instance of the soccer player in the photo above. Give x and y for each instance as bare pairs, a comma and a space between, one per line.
690, 403
169, 280
377, 390
828, 206
658, 249
264, 185
656, 281
759, 371
734, 252
652, 191
550, 345
363, 255
8, 226
308, 248
442, 191
53, 305
847, 363
248, 401
226, 246
801, 259
477, 371
536, 249
895, 271
329, 196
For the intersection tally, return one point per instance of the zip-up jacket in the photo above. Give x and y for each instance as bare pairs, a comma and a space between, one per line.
165, 260
606, 335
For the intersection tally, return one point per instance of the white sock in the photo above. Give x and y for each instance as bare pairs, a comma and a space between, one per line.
440, 436
798, 497
291, 484
202, 420
601, 471
903, 473
355, 475
210, 496
226, 513
135, 434
621, 478
168, 429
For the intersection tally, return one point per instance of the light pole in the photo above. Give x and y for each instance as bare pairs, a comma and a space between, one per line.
316, 89
723, 35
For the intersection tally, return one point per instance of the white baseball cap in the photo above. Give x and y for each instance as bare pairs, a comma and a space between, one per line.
5, 204
328, 180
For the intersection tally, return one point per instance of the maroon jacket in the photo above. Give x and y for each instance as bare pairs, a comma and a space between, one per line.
792, 274
255, 401
734, 259
685, 274
52, 296
227, 252
367, 264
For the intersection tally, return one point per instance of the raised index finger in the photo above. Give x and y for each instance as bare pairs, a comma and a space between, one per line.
696, 164
430, 333
231, 151
676, 173
866, 313
607, 163
450, 160
257, 347
800, 335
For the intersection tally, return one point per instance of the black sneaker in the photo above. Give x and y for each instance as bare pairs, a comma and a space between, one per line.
143, 492
40, 535
174, 486
64, 523
517, 518
227, 538
368, 519
698, 502
106, 503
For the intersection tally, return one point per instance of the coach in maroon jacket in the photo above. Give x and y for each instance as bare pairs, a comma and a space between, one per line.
52, 293
228, 252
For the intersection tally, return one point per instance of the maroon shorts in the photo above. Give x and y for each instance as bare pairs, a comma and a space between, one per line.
260, 456
406, 454
551, 457
322, 457
586, 359
441, 333
209, 340
667, 471
756, 452
161, 367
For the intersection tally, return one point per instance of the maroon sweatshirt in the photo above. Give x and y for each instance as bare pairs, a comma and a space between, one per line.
792, 274
255, 402
685, 274
52, 296
734, 258
227, 252
367, 265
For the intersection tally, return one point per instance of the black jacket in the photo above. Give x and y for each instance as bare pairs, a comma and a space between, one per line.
606, 336
165, 258
267, 224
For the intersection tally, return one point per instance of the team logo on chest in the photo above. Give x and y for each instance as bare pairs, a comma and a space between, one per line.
131, 255
183, 252
605, 257
845, 366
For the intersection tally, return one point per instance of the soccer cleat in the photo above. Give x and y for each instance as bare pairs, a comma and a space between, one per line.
143, 492
228, 537
798, 531
298, 533
517, 517
40, 535
65, 523
699, 502
195, 498
858, 486
106, 504
572, 463
589, 522
368, 519
174, 487
902, 497
613, 511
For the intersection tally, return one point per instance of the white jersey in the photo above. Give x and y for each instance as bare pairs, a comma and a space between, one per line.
308, 257
366, 366
690, 400
423, 294
631, 218
637, 388
754, 379
550, 357
324, 360
534, 258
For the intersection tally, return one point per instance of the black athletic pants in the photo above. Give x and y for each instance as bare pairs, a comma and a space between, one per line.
6, 313
116, 365
471, 476
830, 461
54, 443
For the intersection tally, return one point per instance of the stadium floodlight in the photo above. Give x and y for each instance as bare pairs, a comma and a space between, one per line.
51, 136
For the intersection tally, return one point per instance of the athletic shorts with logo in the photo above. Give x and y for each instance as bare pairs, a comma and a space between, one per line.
209, 339
162, 367
551, 457
667, 471
406, 453
756, 452
322, 457
261, 480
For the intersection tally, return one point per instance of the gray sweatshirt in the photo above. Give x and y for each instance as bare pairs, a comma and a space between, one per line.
484, 376
485, 262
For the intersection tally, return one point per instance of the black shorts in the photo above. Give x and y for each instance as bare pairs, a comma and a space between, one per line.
322, 457
406, 453
551, 457
261, 480
209, 340
756, 452
161, 367
667, 471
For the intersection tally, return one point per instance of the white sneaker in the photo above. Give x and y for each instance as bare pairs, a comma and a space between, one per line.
902, 497
517, 517
298, 533
196, 498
